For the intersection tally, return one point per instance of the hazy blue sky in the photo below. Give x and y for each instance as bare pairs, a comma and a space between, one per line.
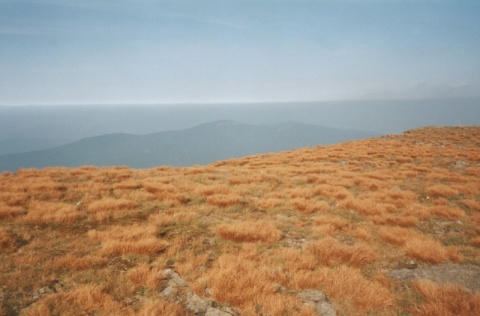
90, 51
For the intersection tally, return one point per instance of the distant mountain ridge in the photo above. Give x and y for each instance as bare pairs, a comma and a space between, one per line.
21, 145
198, 145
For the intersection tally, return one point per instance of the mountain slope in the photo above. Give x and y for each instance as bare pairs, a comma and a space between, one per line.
202, 144
379, 226
22, 145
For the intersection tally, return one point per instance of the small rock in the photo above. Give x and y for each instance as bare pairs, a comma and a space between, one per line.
169, 291
325, 309
312, 295
196, 304
216, 312
209, 292
282, 217
411, 264
175, 279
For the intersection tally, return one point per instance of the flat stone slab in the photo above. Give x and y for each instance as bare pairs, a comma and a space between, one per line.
467, 275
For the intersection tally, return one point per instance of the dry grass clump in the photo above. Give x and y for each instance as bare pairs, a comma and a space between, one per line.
240, 281
298, 260
161, 307
475, 241
145, 275
363, 234
108, 208
6, 241
78, 262
395, 220
472, 204
259, 231
330, 225
419, 246
354, 294
7, 212
365, 207
310, 206
224, 200
172, 218
447, 212
397, 235
122, 240
48, 212
441, 190
87, 299
445, 300
111, 204
329, 251
430, 251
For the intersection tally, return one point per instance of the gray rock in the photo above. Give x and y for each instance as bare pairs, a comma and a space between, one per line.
196, 304
463, 274
216, 312
312, 295
169, 291
325, 309
175, 279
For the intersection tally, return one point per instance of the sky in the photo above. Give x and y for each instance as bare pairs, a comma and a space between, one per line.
230, 51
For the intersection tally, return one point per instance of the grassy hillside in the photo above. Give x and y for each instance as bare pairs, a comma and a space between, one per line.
249, 236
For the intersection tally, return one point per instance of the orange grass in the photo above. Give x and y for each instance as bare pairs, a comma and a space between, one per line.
445, 300
48, 212
160, 307
88, 299
329, 251
355, 294
430, 251
135, 239
441, 190
249, 232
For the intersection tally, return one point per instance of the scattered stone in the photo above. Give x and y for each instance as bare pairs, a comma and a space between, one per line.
54, 287
319, 301
343, 163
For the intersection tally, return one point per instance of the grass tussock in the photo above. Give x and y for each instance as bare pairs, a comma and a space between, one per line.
355, 294
331, 252
48, 212
134, 239
445, 300
441, 190
259, 231
88, 299
430, 251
